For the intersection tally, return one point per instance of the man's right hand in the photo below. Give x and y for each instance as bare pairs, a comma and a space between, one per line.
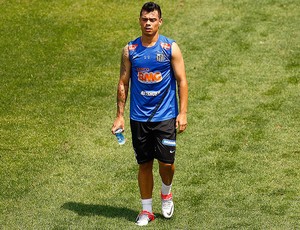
118, 123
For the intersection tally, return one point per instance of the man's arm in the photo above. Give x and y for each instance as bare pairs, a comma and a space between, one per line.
122, 91
179, 71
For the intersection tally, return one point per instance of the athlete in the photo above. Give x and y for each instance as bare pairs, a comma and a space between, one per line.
153, 66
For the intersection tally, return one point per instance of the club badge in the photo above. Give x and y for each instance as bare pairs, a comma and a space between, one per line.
160, 57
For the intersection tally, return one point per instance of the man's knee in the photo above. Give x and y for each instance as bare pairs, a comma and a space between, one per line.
147, 166
166, 166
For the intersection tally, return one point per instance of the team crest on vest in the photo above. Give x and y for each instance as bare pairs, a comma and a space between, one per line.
160, 57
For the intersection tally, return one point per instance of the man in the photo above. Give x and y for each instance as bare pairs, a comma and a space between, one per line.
153, 64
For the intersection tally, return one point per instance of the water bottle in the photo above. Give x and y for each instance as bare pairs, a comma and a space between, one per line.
120, 136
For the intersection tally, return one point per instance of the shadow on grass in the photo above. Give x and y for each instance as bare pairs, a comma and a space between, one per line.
100, 210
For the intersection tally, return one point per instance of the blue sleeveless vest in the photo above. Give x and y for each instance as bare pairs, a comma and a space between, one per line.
152, 81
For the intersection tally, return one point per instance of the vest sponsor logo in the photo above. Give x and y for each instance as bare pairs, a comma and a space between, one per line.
132, 47
168, 142
150, 93
166, 46
149, 77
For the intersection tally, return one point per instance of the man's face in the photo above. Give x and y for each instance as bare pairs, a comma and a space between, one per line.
150, 22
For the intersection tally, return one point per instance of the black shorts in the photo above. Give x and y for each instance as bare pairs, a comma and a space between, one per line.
154, 140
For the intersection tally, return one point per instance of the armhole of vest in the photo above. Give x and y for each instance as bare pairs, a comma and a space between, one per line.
171, 50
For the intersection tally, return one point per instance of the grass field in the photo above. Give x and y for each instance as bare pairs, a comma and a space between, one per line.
238, 162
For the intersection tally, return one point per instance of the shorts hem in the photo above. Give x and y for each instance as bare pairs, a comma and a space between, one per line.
166, 162
144, 161
148, 160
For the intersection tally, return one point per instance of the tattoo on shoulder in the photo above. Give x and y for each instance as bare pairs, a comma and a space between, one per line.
125, 51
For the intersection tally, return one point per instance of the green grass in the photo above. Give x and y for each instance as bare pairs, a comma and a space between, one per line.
238, 162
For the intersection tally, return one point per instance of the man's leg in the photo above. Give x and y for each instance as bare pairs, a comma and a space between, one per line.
145, 180
166, 172
144, 149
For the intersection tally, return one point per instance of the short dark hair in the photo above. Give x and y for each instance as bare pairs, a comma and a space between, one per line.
150, 7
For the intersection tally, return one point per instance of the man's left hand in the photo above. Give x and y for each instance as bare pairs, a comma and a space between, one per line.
181, 122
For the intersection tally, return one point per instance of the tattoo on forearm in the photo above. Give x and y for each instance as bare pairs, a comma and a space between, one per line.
121, 99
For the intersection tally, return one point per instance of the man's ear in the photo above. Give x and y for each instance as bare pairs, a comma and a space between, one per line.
160, 21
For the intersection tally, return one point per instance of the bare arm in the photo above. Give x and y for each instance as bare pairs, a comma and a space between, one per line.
122, 91
179, 71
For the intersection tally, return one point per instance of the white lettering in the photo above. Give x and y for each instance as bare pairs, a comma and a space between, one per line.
150, 93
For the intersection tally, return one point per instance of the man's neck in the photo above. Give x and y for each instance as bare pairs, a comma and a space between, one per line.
148, 41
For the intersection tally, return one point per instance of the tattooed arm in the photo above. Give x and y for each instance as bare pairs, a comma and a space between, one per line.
122, 91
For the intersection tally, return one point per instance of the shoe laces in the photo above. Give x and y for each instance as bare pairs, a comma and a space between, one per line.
167, 203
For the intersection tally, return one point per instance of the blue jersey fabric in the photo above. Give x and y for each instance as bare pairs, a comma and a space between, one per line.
151, 76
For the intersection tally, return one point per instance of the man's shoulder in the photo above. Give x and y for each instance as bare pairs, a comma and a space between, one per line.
135, 41
133, 44
165, 42
163, 38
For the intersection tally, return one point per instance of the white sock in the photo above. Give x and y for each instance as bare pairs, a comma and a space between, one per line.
147, 205
165, 189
